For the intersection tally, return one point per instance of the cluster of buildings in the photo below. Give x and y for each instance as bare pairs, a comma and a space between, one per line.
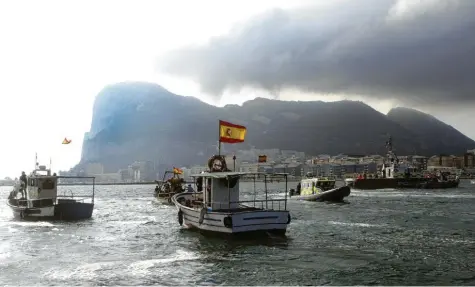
295, 163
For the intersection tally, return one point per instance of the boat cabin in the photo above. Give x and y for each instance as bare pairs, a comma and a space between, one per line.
220, 191
311, 185
41, 188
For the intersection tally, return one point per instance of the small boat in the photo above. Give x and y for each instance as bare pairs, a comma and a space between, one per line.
319, 189
217, 205
167, 188
40, 200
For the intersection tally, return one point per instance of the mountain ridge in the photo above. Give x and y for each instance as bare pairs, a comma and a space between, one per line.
143, 121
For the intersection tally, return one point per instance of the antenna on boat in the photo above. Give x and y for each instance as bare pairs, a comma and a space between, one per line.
50, 163
36, 160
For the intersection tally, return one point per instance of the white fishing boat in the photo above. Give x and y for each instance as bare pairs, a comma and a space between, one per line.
217, 206
39, 198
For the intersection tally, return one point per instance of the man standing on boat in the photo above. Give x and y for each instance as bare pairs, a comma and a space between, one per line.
190, 189
23, 184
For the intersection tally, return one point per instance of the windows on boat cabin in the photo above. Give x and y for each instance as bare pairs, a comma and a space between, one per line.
323, 184
42, 187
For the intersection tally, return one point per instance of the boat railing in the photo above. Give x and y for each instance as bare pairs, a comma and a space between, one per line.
78, 195
266, 204
272, 204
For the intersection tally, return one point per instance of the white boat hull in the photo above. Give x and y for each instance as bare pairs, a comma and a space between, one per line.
245, 221
62, 211
32, 213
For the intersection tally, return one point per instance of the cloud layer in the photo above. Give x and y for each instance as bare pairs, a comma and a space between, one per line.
419, 52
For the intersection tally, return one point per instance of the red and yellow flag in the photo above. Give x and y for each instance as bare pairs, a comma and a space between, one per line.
176, 170
231, 133
66, 141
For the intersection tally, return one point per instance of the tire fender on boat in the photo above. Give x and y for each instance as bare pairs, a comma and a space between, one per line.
180, 217
289, 218
202, 215
228, 222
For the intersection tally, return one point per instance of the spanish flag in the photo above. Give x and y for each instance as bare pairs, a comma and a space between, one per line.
231, 133
66, 141
262, 158
176, 170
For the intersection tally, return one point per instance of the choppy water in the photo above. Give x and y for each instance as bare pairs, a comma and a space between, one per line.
379, 238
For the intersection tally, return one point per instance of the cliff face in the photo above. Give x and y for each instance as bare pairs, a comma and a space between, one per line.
143, 121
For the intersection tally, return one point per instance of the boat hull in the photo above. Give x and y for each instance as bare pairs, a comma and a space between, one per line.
334, 195
401, 183
245, 220
69, 211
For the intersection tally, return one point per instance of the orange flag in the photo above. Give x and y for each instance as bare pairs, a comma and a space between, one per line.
66, 141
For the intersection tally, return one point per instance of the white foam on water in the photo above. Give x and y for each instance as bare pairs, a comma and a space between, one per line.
356, 224
27, 223
84, 271
143, 266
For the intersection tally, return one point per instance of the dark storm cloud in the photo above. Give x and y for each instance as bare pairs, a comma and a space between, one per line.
419, 52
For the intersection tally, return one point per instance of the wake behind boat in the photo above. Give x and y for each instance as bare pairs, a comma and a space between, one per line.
40, 200
319, 189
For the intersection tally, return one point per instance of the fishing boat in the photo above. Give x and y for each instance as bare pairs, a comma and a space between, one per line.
40, 199
319, 189
394, 175
170, 186
218, 207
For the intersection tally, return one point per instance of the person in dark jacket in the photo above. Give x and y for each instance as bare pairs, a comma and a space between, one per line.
23, 183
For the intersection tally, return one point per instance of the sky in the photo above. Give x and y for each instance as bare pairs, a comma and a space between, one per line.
55, 56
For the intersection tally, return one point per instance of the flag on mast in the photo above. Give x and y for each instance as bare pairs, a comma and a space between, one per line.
231, 133
66, 141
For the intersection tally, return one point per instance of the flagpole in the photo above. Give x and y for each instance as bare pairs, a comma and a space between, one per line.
219, 138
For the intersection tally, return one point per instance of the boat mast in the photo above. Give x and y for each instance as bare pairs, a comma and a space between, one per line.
391, 156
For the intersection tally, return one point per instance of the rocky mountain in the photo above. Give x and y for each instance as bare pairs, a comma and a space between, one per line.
143, 121
427, 129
